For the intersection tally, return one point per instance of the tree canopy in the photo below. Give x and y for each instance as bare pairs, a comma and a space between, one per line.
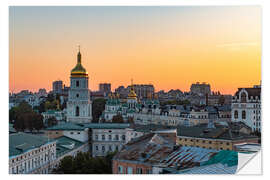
83, 163
25, 118
117, 119
97, 108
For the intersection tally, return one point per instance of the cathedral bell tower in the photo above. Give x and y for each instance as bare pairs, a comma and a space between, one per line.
79, 105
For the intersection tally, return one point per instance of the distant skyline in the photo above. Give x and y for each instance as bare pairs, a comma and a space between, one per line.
169, 47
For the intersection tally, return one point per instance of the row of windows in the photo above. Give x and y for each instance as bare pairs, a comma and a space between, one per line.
206, 147
110, 148
236, 114
110, 137
203, 141
129, 170
29, 165
32, 153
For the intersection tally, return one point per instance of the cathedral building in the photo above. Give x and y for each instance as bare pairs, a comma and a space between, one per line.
79, 105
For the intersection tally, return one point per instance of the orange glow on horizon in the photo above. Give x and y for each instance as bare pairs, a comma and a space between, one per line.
169, 51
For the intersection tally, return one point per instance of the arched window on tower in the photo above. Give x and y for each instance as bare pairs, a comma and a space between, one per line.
77, 111
235, 114
77, 83
243, 114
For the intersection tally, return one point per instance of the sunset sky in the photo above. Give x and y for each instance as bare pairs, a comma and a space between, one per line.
169, 47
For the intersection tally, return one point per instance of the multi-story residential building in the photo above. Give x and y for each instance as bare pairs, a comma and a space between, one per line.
102, 138
30, 154
213, 136
105, 88
109, 137
246, 107
143, 90
57, 87
155, 153
200, 88
75, 131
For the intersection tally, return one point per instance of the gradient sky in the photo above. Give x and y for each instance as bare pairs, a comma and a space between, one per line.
170, 47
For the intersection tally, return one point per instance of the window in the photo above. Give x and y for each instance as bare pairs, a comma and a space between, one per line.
116, 148
78, 133
96, 137
103, 148
96, 148
148, 171
139, 170
71, 132
77, 111
77, 95
123, 137
129, 170
110, 148
77, 83
210, 142
110, 137
243, 97
228, 144
243, 114
235, 114
120, 169
116, 137
103, 137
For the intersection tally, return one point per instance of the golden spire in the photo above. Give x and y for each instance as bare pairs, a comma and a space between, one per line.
79, 70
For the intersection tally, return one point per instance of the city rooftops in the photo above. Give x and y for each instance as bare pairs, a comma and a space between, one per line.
65, 144
251, 92
20, 143
83, 126
151, 127
106, 125
147, 149
219, 132
67, 126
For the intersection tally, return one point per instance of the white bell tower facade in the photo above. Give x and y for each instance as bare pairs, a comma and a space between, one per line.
79, 105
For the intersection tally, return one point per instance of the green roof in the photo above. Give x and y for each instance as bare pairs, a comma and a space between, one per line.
113, 102
67, 126
20, 143
230, 158
106, 125
130, 111
65, 144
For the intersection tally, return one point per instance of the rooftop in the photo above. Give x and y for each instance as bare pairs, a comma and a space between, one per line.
65, 144
219, 132
147, 149
22, 142
83, 126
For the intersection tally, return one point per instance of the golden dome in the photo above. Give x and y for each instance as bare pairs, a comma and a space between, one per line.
79, 70
132, 94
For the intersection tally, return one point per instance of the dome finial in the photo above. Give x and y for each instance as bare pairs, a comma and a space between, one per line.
79, 56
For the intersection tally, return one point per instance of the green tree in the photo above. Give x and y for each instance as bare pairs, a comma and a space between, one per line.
117, 119
83, 163
12, 114
97, 108
26, 118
